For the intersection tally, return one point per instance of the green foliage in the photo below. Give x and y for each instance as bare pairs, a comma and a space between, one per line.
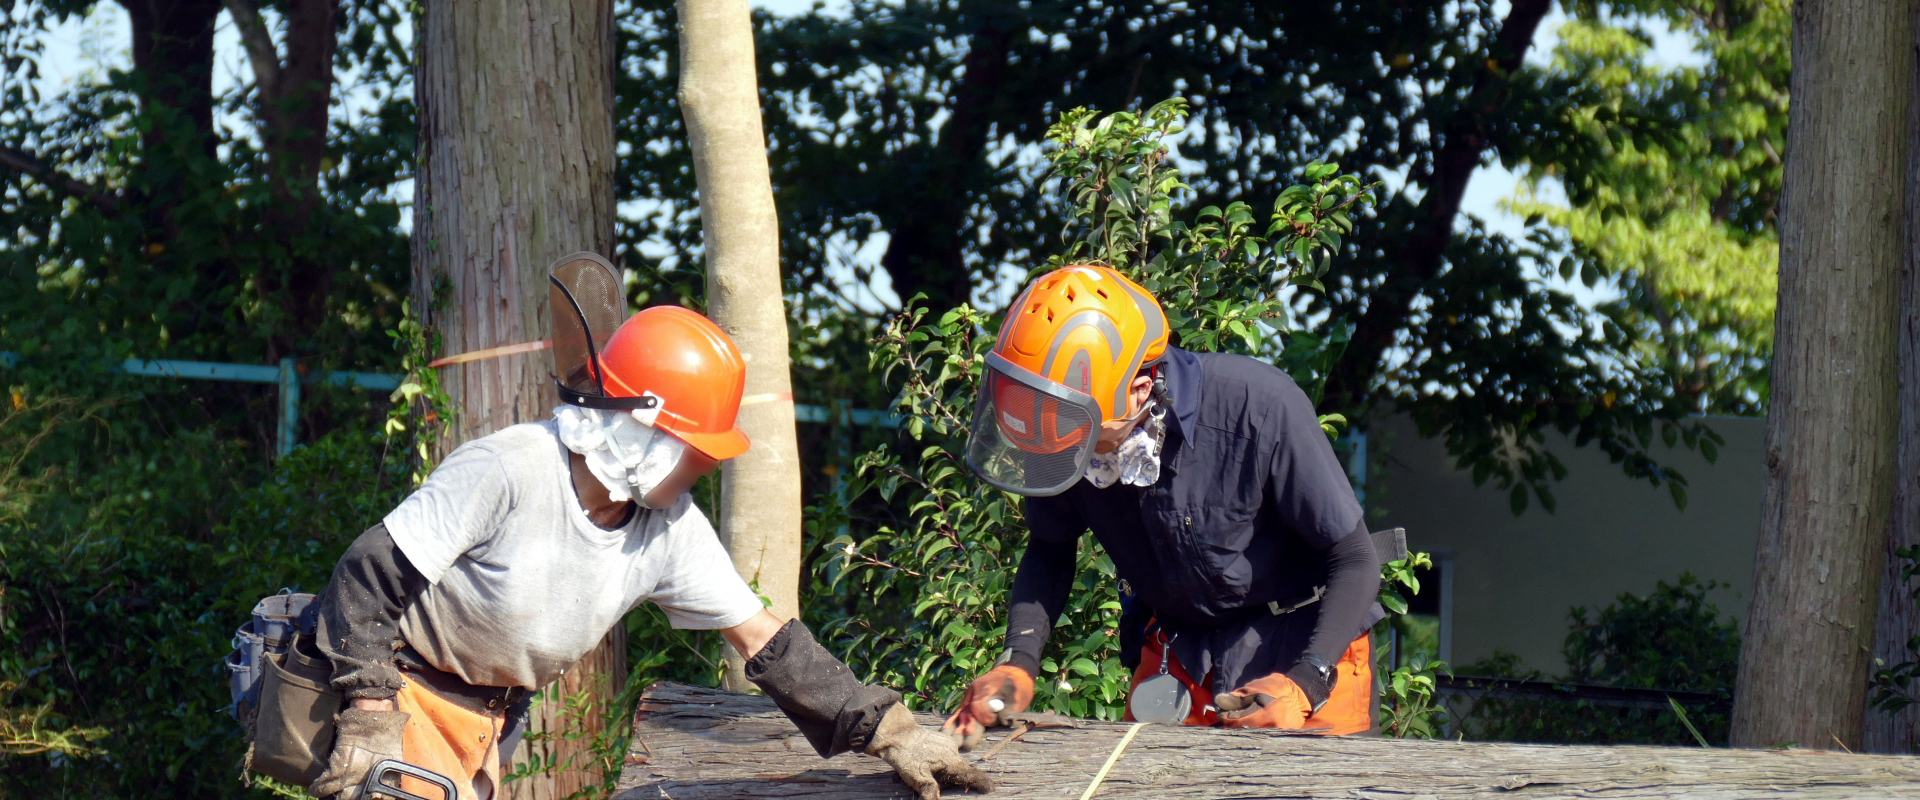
603, 727
131, 558
1409, 707
1672, 176
153, 232
1893, 686
906, 127
26, 731
1672, 638
915, 595
1398, 574
421, 410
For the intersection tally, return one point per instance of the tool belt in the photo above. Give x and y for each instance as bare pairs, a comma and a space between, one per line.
1388, 546
490, 700
282, 689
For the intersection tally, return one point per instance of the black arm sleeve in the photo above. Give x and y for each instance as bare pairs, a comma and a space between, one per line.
1353, 583
360, 614
833, 710
1039, 594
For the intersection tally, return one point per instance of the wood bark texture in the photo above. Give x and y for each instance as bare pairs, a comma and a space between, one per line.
516, 169
1805, 657
759, 514
1898, 620
699, 744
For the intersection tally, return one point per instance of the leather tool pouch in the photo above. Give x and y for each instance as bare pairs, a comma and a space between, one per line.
282, 690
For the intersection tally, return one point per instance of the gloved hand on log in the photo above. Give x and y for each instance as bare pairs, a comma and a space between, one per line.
991, 701
837, 713
924, 760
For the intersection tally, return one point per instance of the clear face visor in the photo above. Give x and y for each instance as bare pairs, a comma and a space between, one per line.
1030, 436
588, 304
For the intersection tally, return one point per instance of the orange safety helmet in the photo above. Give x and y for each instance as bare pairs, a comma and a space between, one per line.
1062, 364
668, 364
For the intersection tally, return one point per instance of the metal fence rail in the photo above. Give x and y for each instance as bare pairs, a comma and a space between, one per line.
289, 379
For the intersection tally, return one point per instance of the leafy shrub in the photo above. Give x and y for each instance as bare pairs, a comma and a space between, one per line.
1410, 707
129, 560
1672, 638
1892, 689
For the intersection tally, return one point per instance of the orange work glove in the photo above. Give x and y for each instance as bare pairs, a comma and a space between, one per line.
1274, 701
1008, 684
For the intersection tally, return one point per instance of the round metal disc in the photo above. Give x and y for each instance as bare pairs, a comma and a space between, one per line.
1161, 700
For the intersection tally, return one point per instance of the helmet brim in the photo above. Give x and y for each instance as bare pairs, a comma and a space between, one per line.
721, 446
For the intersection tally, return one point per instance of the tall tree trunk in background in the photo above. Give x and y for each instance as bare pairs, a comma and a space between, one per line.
173, 57
927, 220
1898, 621
759, 491
173, 51
515, 169
1830, 429
293, 98
1422, 252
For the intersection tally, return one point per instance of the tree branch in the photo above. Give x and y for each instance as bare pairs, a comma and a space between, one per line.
1462, 142
260, 50
23, 162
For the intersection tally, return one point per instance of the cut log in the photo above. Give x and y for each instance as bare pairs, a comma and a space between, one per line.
692, 743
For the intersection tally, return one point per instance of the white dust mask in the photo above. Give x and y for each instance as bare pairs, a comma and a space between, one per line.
1136, 462
629, 457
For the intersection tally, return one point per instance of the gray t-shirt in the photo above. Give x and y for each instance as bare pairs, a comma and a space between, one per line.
523, 584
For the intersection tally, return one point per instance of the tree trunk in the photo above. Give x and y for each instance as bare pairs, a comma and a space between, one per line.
515, 169
293, 99
927, 222
702, 744
172, 48
173, 51
1830, 431
1898, 620
759, 514
1422, 252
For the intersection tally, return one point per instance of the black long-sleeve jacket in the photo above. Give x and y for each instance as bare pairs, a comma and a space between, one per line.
1252, 512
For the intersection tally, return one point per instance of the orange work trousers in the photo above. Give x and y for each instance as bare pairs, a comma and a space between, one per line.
460, 744
1348, 710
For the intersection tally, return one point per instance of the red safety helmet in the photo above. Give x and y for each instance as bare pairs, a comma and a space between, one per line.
673, 365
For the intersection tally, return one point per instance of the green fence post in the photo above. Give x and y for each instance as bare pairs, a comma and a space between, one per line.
289, 405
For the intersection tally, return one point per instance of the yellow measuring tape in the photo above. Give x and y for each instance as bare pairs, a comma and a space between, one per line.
1108, 767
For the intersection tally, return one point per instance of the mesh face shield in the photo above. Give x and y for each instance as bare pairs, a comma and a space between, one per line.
588, 304
1030, 436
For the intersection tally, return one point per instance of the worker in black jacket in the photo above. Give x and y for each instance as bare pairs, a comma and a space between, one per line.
1245, 566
